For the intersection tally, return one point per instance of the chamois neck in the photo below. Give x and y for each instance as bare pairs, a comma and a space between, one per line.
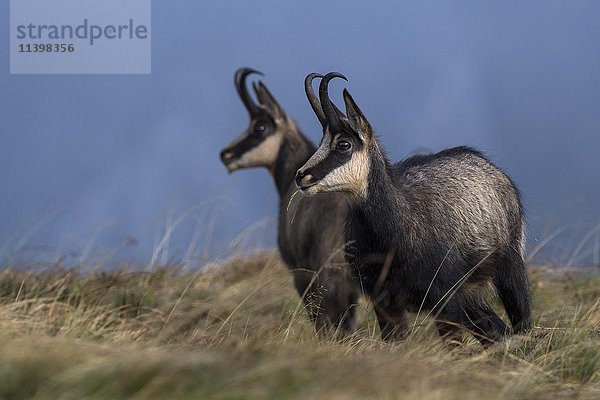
295, 150
384, 205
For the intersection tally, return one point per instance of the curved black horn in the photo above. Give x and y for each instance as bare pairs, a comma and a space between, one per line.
240, 85
329, 109
312, 98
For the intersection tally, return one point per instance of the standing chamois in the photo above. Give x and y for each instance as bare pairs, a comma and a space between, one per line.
426, 234
310, 231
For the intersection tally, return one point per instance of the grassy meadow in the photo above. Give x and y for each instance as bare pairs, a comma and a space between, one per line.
237, 330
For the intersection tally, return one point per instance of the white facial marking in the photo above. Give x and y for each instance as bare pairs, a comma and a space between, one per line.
263, 155
351, 176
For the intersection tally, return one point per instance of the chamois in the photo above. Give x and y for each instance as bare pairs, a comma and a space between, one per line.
310, 231
425, 234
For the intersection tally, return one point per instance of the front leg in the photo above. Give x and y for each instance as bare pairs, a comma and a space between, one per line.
392, 322
308, 285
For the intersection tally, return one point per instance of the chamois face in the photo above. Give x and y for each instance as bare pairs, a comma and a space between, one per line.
258, 145
341, 163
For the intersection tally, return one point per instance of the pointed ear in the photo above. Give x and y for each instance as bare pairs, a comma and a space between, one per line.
266, 98
357, 120
256, 90
260, 98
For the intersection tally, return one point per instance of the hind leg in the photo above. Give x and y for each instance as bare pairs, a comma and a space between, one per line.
512, 284
485, 323
474, 315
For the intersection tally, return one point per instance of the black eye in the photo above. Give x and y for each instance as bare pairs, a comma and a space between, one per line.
344, 145
260, 128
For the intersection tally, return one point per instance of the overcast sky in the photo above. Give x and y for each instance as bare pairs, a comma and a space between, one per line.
95, 163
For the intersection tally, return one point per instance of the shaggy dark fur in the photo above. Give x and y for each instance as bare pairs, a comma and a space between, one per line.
430, 232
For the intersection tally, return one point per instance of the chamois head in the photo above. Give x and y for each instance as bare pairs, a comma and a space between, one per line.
259, 144
341, 163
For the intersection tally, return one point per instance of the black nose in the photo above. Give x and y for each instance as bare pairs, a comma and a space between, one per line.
226, 155
304, 179
299, 175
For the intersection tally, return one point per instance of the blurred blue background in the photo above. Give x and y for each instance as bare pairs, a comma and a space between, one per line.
127, 166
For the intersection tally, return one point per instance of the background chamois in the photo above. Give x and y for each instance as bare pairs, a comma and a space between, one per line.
310, 231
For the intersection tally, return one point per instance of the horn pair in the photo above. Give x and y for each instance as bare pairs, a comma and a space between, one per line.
327, 113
